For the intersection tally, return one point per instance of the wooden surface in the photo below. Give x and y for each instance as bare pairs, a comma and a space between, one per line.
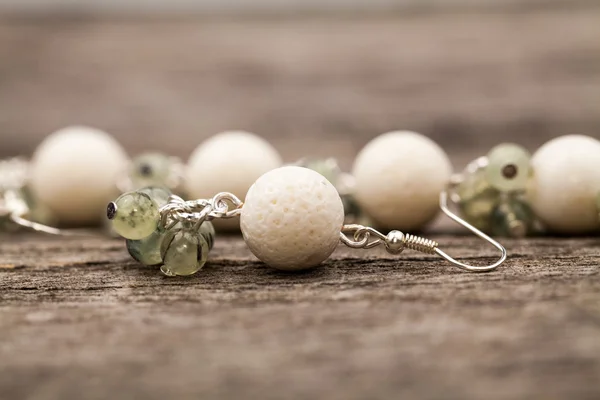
80, 319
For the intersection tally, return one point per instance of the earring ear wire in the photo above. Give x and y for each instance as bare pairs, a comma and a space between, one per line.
13, 206
460, 221
396, 241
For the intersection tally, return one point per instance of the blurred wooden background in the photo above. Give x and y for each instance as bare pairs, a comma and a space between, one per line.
468, 77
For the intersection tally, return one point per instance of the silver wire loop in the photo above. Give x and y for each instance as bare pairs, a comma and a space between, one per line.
364, 237
222, 206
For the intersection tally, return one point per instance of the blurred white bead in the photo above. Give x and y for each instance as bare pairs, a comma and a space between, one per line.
399, 176
292, 218
229, 162
566, 183
74, 173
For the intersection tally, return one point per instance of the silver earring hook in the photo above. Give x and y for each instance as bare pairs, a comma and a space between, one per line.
16, 210
14, 207
460, 221
395, 241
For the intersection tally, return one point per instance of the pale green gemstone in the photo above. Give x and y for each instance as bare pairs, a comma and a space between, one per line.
207, 230
150, 169
148, 250
512, 217
351, 207
474, 185
329, 168
185, 255
477, 200
159, 194
508, 168
134, 215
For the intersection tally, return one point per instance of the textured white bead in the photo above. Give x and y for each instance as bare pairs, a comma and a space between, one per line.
229, 162
399, 176
74, 173
566, 183
292, 218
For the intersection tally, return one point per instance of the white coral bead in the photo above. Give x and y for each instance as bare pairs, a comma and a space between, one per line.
566, 183
292, 218
74, 173
399, 176
229, 162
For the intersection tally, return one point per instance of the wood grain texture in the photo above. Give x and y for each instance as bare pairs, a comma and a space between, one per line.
79, 319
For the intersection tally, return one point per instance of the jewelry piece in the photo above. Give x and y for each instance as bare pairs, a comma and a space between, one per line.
163, 229
491, 192
71, 176
76, 170
510, 193
293, 219
399, 176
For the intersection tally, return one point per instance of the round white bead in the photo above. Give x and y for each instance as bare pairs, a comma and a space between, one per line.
74, 173
399, 176
292, 218
229, 162
566, 183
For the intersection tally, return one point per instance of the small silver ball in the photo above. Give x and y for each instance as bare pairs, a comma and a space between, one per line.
395, 242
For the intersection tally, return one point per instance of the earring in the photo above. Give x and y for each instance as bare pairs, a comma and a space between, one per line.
163, 229
510, 193
292, 219
76, 170
491, 193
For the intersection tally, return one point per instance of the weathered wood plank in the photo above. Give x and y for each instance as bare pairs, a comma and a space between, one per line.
77, 316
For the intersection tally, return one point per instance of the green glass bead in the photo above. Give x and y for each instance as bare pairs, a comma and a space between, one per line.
508, 167
329, 168
150, 169
185, 255
207, 230
134, 215
477, 200
148, 250
351, 207
159, 194
512, 217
